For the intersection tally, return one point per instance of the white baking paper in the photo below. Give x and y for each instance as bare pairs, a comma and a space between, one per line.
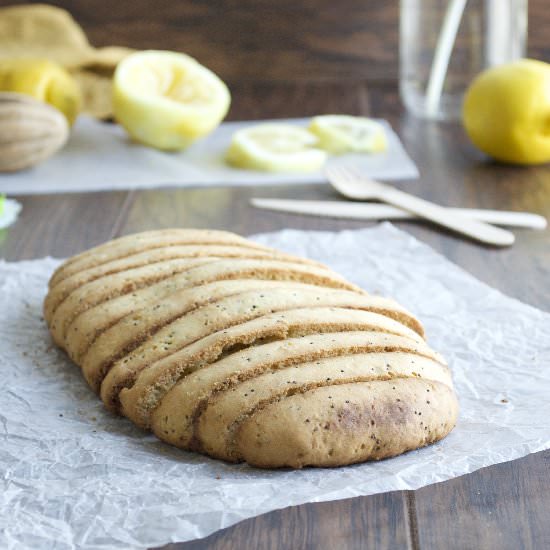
74, 476
99, 156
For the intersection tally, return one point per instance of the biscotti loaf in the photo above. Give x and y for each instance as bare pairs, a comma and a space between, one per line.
225, 347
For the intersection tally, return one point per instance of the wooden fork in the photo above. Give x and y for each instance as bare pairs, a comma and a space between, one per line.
355, 186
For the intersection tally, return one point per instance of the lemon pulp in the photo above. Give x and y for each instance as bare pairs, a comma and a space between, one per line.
168, 100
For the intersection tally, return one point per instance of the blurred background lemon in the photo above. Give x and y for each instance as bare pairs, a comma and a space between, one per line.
44, 80
507, 112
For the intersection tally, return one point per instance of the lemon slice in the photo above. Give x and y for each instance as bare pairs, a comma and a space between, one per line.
167, 100
275, 147
344, 134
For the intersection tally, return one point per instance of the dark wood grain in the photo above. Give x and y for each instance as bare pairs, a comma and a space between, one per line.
505, 506
262, 101
62, 225
262, 40
380, 521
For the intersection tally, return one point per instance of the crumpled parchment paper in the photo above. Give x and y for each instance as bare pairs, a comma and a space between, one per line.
74, 476
99, 156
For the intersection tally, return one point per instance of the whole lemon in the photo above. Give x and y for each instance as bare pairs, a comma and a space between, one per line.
507, 112
44, 80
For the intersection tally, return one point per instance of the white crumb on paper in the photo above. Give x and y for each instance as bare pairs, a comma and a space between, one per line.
75, 476
9, 213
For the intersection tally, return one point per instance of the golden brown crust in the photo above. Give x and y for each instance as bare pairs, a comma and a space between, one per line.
219, 421
140, 242
172, 420
188, 273
236, 350
348, 423
232, 310
291, 323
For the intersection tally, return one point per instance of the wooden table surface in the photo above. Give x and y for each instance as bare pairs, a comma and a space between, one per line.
505, 506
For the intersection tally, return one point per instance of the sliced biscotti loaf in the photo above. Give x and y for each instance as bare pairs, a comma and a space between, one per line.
227, 312
226, 347
145, 387
174, 419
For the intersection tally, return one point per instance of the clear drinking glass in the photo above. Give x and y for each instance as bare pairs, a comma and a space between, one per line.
485, 32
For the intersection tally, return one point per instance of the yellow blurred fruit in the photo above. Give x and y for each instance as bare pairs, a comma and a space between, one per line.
167, 100
507, 112
349, 134
44, 80
275, 147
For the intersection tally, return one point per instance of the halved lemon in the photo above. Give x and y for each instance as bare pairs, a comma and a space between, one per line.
349, 134
167, 100
275, 147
